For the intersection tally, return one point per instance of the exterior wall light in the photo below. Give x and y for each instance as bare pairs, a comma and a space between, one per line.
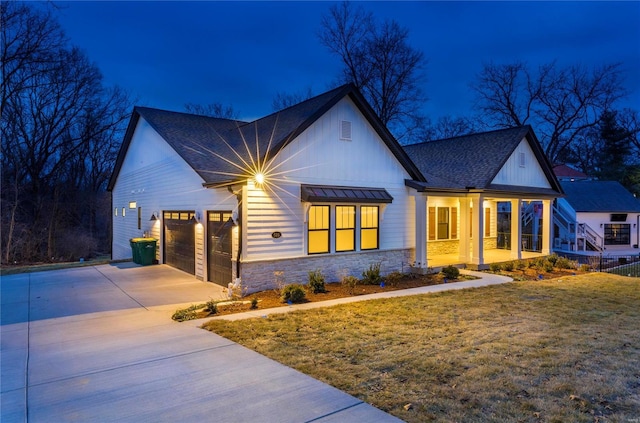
259, 179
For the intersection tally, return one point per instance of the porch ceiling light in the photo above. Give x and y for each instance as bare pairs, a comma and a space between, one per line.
259, 178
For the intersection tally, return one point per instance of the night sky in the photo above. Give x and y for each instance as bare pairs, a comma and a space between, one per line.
167, 54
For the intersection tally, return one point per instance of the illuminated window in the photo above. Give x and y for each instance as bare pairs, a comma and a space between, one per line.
345, 228
617, 234
124, 211
443, 222
368, 227
115, 211
318, 229
132, 204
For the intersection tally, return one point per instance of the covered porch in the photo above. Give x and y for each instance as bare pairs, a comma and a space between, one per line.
473, 230
490, 256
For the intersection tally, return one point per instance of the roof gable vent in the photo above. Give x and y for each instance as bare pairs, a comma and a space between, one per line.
345, 130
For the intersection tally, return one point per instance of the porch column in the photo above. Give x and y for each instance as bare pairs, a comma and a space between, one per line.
547, 218
477, 232
421, 231
516, 229
463, 233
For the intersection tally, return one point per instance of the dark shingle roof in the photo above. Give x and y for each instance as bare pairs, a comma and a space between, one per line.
473, 161
209, 144
600, 196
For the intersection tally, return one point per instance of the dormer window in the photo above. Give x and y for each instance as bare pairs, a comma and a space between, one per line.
522, 159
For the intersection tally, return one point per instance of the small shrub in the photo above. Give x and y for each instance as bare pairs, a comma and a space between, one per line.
371, 276
521, 265
316, 281
254, 303
565, 263
508, 266
394, 278
212, 306
547, 267
294, 293
553, 259
350, 282
495, 267
451, 272
188, 313
540, 263
585, 268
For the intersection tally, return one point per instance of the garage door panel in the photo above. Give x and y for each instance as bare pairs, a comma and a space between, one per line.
179, 245
219, 247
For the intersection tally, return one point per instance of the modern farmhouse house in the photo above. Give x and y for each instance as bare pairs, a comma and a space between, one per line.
324, 185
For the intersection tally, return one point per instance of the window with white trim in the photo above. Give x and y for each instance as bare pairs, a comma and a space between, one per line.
318, 233
369, 227
345, 228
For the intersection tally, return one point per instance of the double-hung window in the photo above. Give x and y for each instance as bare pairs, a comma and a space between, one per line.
318, 229
369, 225
345, 228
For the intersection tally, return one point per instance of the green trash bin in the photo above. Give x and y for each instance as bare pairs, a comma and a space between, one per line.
144, 250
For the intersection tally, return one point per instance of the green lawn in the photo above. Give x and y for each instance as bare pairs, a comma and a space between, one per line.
632, 270
564, 350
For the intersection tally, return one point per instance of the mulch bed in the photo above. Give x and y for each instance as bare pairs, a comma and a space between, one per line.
271, 298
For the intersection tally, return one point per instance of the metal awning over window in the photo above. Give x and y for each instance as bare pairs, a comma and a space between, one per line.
333, 194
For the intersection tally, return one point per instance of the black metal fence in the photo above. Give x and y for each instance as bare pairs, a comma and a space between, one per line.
626, 264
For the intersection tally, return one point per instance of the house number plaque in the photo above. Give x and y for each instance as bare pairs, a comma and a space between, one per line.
276, 234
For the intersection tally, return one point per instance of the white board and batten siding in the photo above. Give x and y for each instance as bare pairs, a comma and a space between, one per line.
158, 179
522, 169
320, 156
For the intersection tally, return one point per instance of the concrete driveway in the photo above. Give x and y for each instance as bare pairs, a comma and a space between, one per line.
98, 344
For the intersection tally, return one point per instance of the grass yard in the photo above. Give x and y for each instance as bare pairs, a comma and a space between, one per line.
631, 269
561, 350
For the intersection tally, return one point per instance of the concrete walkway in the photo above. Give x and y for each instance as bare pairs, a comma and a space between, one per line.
97, 344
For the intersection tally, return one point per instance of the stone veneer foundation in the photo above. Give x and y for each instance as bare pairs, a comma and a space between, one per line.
270, 274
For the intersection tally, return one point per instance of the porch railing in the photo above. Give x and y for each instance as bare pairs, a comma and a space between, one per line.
530, 242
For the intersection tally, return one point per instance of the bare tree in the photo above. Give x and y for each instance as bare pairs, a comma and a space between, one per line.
449, 127
283, 100
217, 110
378, 59
560, 103
54, 110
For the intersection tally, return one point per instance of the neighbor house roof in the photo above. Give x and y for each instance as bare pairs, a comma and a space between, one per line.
600, 197
211, 146
471, 162
562, 171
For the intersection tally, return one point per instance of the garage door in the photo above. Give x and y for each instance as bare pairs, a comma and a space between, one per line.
219, 247
179, 240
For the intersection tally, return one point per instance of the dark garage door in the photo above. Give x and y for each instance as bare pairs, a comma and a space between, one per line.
179, 240
219, 246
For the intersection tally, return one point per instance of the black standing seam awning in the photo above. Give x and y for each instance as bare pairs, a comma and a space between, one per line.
334, 194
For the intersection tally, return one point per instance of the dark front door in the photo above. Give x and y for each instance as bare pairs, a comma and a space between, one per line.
219, 230
179, 240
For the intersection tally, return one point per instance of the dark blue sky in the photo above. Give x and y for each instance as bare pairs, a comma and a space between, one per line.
243, 53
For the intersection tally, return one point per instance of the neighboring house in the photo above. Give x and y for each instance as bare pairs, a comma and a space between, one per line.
567, 173
596, 216
324, 185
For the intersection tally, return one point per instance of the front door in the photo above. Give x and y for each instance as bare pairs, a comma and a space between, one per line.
219, 247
